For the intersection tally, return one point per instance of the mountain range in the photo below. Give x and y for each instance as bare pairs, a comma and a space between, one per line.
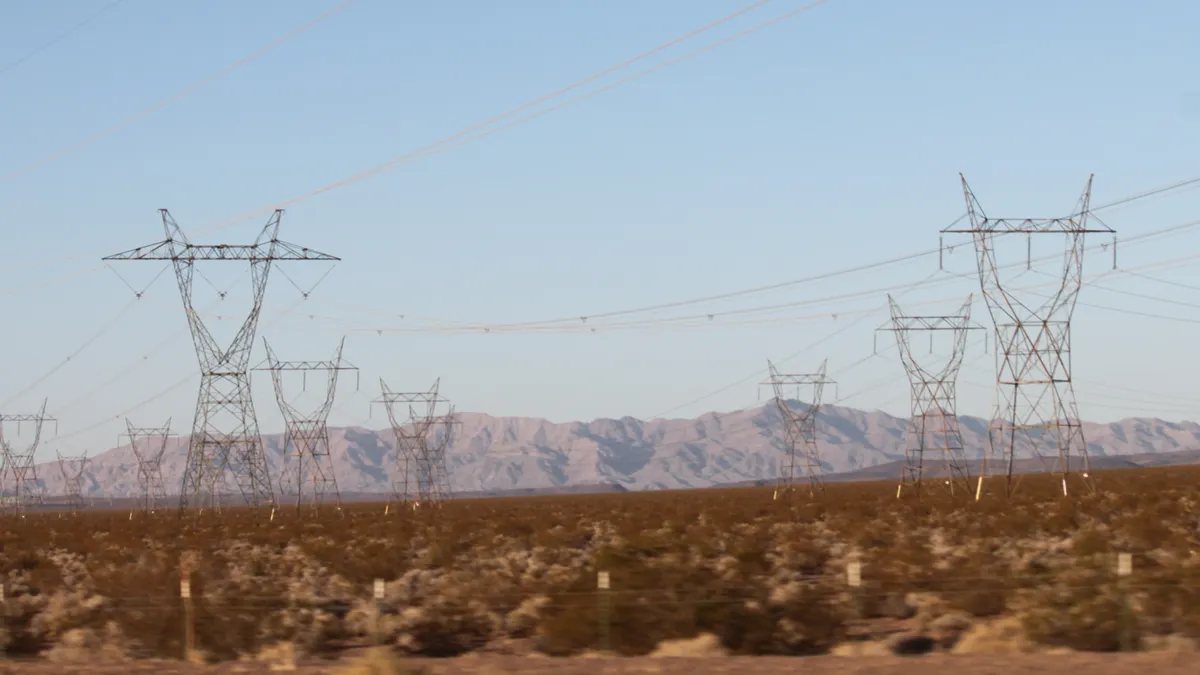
502, 454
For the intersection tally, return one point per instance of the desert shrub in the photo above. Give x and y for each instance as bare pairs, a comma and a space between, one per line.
763, 576
1082, 611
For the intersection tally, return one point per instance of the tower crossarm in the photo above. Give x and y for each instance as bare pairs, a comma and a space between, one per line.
274, 251
308, 365
797, 379
1079, 222
926, 323
1072, 225
27, 418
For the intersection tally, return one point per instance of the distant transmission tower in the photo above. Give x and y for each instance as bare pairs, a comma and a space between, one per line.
148, 445
799, 426
1036, 399
72, 468
20, 469
225, 438
421, 442
933, 422
306, 437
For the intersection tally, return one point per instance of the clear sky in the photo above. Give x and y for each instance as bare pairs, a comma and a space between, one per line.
825, 141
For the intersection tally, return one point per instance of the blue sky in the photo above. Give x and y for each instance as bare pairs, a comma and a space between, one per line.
823, 142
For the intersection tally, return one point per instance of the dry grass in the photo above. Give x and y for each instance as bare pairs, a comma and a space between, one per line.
518, 576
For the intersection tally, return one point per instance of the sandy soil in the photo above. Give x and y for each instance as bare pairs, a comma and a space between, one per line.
975, 664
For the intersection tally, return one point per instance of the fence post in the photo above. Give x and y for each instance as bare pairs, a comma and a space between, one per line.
189, 619
854, 581
604, 611
3, 616
380, 587
1124, 570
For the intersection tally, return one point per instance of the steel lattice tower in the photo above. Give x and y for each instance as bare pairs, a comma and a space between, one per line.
72, 468
306, 437
933, 420
421, 442
799, 426
20, 468
149, 444
225, 438
1036, 397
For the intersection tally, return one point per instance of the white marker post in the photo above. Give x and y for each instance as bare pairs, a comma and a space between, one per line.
379, 590
1124, 564
189, 620
603, 610
854, 574
854, 581
1124, 570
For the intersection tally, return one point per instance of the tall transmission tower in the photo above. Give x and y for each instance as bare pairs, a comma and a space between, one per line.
799, 426
20, 468
72, 468
225, 438
933, 421
421, 442
306, 437
1036, 397
148, 445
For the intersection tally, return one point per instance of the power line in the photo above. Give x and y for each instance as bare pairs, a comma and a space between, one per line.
104, 328
58, 38
130, 368
758, 373
710, 320
147, 401
107, 326
470, 135
1148, 193
581, 323
446, 142
177, 96
827, 275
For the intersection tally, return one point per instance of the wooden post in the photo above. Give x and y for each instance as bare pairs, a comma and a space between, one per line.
3, 615
189, 618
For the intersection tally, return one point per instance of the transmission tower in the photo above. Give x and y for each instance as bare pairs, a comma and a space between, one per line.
306, 437
933, 421
72, 469
225, 438
799, 426
421, 442
20, 469
148, 445
1036, 399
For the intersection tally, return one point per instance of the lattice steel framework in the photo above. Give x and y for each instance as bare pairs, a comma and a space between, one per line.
225, 438
149, 444
421, 442
306, 437
20, 479
799, 426
72, 467
933, 419
1036, 398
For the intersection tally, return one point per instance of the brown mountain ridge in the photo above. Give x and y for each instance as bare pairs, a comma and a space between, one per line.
525, 454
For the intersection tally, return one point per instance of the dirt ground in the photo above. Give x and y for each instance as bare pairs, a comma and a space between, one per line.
975, 664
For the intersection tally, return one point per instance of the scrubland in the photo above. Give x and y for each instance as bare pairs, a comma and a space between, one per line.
694, 573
